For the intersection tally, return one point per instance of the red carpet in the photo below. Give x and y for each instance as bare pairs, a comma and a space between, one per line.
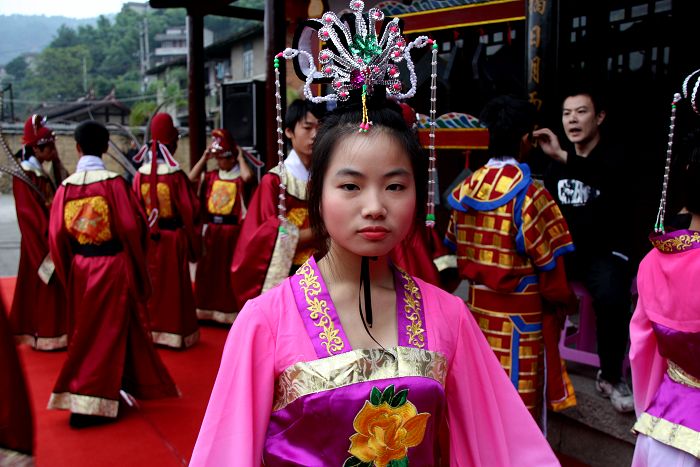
158, 433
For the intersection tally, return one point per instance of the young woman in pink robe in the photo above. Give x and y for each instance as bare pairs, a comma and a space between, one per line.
665, 332
310, 376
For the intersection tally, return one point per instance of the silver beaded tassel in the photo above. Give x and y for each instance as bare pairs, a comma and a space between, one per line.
432, 173
659, 225
281, 206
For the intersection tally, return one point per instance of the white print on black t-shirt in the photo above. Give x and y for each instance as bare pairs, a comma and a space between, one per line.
575, 192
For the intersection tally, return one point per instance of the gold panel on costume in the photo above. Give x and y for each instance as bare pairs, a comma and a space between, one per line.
222, 197
165, 208
87, 220
354, 367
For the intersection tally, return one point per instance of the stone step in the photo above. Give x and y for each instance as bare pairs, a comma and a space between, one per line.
593, 432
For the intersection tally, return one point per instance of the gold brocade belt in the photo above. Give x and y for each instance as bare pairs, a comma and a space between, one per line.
679, 375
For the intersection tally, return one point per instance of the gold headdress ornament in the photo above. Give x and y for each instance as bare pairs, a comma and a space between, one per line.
360, 60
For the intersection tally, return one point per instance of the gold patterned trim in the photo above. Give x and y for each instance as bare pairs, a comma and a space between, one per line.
678, 436
89, 176
12, 458
86, 405
445, 262
218, 316
43, 343
357, 366
282, 255
412, 298
679, 375
679, 243
295, 187
319, 310
175, 340
52, 343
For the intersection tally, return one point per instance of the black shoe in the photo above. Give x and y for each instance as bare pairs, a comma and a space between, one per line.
78, 420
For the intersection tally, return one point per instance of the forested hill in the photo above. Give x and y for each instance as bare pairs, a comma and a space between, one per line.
21, 34
96, 57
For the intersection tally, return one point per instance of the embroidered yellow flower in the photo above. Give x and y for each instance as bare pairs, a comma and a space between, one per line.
386, 430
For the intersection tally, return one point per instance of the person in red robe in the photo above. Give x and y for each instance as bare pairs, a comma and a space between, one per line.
510, 238
223, 209
16, 422
98, 240
253, 269
422, 253
38, 313
172, 207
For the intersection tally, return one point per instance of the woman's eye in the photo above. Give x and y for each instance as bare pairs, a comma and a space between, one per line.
349, 187
395, 187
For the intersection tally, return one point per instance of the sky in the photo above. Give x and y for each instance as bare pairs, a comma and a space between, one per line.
69, 8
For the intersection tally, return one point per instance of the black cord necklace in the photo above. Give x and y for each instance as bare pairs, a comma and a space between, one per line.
367, 290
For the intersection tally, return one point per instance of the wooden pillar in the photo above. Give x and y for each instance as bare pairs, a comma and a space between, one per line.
275, 38
541, 79
195, 74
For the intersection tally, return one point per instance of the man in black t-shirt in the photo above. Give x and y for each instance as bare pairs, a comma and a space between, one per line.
589, 186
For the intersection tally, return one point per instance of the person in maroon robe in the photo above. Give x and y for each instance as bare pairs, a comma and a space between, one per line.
223, 209
16, 425
172, 207
38, 314
252, 271
98, 240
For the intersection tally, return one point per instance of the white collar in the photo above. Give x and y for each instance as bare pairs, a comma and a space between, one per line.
87, 163
498, 162
34, 162
232, 174
296, 167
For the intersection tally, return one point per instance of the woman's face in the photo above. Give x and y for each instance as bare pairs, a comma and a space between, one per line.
368, 200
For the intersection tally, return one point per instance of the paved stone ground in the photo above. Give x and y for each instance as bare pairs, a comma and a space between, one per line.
9, 236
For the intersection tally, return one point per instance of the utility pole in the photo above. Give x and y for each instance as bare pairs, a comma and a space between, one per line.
85, 87
147, 54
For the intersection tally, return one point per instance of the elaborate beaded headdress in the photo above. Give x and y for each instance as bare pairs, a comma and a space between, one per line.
358, 58
690, 91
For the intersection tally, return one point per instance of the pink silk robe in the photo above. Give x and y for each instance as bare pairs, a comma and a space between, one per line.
664, 346
486, 422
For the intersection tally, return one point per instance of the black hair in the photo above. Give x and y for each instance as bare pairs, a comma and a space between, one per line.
344, 121
690, 170
595, 92
507, 118
298, 109
92, 137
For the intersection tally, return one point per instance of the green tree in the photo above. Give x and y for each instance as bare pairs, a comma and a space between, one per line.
65, 37
17, 68
141, 112
59, 73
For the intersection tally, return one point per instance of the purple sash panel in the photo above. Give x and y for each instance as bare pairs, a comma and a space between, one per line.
317, 311
680, 347
410, 314
677, 241
315, 430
